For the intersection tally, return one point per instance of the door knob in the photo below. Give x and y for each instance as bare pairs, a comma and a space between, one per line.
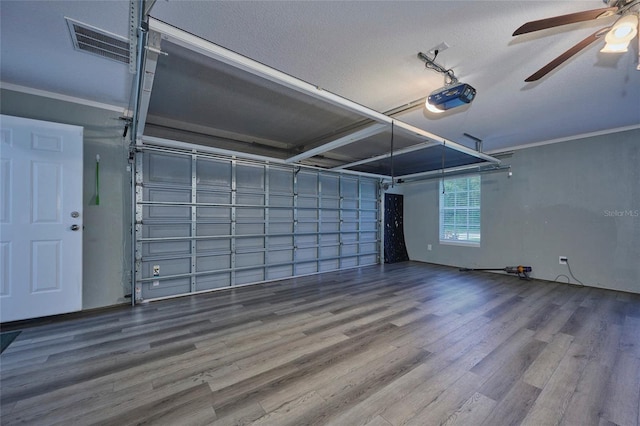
74, 227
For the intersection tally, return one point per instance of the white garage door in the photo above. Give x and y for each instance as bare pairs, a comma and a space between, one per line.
205, 222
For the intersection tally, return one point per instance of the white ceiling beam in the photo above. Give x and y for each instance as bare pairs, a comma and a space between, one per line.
212, 50
337, 143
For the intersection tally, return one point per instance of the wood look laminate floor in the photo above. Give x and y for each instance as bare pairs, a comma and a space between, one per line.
403, 344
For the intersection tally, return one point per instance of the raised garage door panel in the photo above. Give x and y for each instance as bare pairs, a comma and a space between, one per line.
207, 222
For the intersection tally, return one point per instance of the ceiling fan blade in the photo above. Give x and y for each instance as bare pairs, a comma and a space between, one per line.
557, 21
566, 55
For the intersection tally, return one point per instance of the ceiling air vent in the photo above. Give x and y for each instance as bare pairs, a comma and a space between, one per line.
98, 42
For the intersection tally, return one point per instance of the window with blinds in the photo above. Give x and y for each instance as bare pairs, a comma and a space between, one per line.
460, 210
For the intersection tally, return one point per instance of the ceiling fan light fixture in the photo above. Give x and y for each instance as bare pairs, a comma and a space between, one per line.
622, 32
615, 48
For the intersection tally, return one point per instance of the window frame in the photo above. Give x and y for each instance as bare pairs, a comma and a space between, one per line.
466, 208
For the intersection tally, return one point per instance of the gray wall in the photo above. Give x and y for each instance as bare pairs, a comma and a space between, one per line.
563, 199
106, 249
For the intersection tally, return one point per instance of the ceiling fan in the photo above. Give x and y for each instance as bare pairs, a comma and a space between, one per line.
617, 36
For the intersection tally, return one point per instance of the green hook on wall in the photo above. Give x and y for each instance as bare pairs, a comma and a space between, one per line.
97, 179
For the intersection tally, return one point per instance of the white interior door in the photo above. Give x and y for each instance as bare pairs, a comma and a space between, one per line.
40, 218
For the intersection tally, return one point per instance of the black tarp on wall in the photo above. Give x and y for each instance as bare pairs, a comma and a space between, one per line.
395, 249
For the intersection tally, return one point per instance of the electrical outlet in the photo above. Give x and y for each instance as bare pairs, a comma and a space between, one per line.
440, 48
429, 247
563, 260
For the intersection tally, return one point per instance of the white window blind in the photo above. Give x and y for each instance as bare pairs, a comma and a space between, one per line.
460, 210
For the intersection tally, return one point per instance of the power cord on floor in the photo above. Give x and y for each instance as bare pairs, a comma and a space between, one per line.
571, 273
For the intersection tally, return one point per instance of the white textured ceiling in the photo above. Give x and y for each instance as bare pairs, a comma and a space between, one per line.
366, 52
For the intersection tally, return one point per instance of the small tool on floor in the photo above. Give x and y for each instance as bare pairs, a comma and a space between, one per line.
520, 271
